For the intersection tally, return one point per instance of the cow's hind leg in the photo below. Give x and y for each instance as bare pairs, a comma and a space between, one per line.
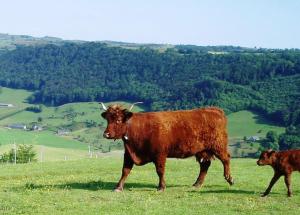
160, 163
204, 165
224, 156
287, 180
127, 166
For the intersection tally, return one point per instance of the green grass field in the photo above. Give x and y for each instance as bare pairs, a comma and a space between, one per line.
82, 121
15, 97
74, 117
85, 187
46, 138
247, 123
46, 154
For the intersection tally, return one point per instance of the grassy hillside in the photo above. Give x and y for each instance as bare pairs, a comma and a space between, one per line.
246, 123
84, 187
17, 114
46, 138
15, 97
82, 121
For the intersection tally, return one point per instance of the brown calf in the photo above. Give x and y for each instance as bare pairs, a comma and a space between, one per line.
283, 163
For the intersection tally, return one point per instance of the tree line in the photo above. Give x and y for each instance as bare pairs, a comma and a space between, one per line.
181, 77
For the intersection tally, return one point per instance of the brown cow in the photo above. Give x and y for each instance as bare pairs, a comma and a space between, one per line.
283, 163
154, 136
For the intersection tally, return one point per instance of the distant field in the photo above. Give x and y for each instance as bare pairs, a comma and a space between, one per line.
246, 123
82, 121
45, 153
84, 187
15, 97
8, 136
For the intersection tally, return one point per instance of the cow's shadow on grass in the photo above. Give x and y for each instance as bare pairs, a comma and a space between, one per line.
108, 185
220, 189
202, 191
102, 185
92, 185
95, 185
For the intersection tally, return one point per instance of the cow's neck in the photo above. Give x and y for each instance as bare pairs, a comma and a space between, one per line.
134, 141
126, 137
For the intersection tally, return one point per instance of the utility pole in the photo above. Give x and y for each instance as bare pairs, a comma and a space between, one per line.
90, 152
42, 149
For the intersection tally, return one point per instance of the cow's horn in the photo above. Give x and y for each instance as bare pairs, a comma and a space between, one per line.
103, 106
134, 104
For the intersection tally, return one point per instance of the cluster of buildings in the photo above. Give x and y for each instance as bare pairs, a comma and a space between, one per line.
24, 127
3, 105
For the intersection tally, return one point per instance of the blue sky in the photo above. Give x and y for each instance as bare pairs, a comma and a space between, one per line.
249, 23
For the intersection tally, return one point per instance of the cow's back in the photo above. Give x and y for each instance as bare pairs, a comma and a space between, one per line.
290, 159
184, 133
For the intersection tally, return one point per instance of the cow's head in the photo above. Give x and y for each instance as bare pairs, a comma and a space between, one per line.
267, 158
117, 118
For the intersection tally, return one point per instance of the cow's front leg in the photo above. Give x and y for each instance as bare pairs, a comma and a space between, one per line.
272, 182
160, 169
127, 166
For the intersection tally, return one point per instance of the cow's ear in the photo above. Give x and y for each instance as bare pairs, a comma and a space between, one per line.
103, 115
127, 115
270, 152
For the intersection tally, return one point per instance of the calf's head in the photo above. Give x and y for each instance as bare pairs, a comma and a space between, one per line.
266, 158
117, 118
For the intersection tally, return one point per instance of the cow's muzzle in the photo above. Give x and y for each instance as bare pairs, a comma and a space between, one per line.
259, 163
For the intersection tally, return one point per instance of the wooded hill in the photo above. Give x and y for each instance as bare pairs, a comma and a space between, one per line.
176, 77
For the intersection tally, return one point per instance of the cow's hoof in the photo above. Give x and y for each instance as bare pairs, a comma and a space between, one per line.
118, 190
197, 185
229, 180
263, 195
161, 189
289, 195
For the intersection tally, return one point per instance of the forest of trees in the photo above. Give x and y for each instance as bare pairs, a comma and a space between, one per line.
182, 77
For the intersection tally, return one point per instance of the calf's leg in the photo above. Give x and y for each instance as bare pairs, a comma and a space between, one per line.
160, 163
272, 182
204, 165
127, 166
287, 180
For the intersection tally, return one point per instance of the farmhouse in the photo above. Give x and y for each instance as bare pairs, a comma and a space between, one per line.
253, 138
62, 132
3, 105
36, 128
18, 126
